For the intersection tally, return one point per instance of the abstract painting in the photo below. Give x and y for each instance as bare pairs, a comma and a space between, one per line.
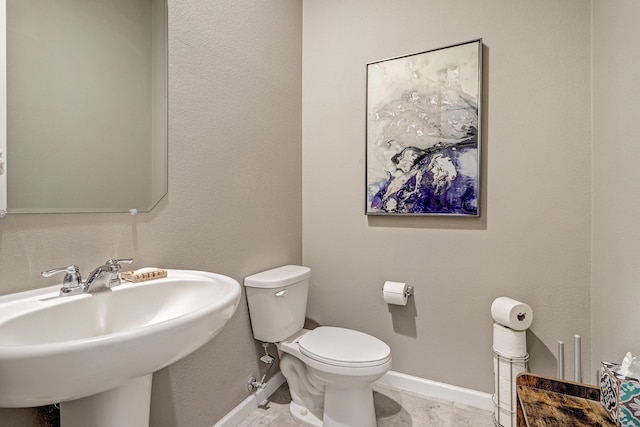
423, 132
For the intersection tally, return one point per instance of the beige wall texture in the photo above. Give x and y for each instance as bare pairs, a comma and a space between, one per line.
235, 178
532, 241
615, 291
234, 202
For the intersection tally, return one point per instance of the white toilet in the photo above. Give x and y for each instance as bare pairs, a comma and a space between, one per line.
329, 370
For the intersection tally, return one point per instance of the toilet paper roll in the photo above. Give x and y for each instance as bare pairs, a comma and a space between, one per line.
514, 314
395, 293
508, 342
504, 397
507, 395
505, 381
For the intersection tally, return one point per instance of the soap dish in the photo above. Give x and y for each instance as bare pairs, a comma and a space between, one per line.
143, 274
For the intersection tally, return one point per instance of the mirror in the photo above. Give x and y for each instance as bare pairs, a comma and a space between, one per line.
86, 96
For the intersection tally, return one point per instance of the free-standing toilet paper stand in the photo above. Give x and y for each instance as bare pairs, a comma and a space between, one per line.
510, 357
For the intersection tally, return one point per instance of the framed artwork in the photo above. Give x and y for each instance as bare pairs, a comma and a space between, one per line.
423, 133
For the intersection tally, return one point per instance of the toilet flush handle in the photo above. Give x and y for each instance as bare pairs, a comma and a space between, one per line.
282, 293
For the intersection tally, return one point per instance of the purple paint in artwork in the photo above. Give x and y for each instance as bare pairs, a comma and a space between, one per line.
430, 181
422, 133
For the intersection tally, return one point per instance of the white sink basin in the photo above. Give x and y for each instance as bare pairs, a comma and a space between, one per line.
58, 349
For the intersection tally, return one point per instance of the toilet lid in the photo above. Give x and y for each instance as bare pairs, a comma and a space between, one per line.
343, 347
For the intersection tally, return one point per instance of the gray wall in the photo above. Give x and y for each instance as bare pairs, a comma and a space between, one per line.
531, 243
234, 203
615, 292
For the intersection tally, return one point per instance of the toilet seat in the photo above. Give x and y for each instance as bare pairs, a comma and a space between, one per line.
344, 347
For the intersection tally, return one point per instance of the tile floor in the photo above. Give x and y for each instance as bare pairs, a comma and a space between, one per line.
394, 408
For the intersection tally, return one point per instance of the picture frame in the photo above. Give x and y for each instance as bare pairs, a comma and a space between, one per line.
423, 134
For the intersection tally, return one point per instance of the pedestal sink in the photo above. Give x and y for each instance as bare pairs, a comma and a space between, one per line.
95, 353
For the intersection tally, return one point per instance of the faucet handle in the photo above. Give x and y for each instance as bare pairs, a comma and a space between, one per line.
114, 267
72, 277
114, 264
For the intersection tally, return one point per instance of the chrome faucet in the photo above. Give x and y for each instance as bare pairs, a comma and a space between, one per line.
106, 276
102, 278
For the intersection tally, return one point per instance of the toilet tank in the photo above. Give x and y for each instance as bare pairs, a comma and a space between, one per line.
277, 300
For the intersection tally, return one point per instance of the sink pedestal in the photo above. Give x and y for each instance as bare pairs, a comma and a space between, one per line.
124, 406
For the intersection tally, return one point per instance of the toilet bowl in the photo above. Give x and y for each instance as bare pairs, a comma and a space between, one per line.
329, 369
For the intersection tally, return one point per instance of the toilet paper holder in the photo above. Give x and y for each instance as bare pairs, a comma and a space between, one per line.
407, 293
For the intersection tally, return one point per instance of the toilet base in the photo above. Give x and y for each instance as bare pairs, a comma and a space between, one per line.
303, 416
351, 407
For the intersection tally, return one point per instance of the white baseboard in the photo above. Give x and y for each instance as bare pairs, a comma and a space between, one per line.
398, 380
242, 411
444, 391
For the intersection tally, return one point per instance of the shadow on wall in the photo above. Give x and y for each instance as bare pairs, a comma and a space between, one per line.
310, 324
540, 356
162, 399
429, 221
404, 318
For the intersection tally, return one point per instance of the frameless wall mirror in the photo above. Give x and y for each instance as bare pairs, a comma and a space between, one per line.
86, 105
